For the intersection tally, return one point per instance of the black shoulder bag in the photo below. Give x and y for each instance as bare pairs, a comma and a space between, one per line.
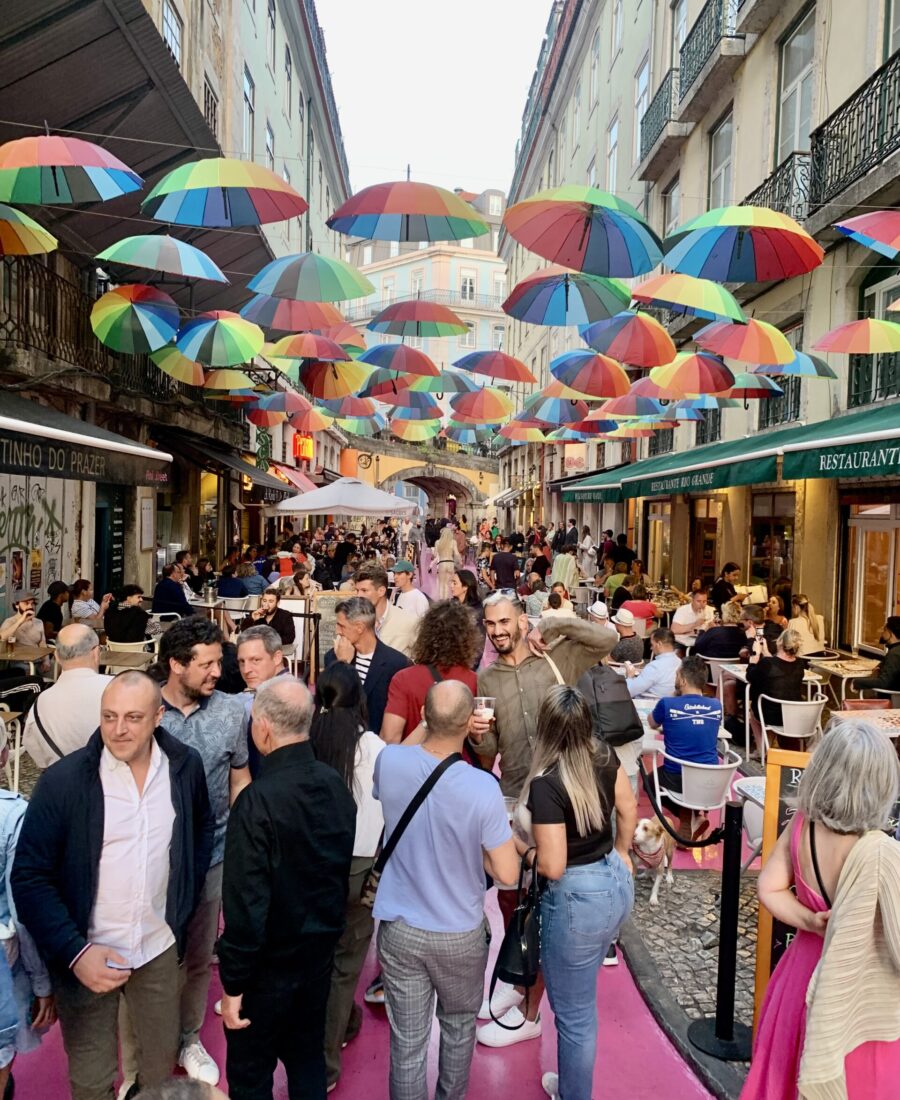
370, 886
46, 736
518, 960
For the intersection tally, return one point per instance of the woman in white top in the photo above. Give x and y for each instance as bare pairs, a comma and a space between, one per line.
587, 553
447, 559
340, 738
805, 623
84, 608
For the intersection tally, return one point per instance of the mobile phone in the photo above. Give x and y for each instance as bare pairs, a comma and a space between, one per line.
760, 633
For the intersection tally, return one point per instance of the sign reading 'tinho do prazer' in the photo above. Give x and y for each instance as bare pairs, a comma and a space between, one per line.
35, 456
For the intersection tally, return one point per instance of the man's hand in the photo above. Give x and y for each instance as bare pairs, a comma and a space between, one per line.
479, 726
94, 973
257, 614
231, 1012
344, 649
26, 616
43, 1012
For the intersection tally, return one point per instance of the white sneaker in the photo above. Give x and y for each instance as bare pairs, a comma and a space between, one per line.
493, 1035
124, 1089
506, 996
550, 1084
198, 1064
611, 959
217, 1008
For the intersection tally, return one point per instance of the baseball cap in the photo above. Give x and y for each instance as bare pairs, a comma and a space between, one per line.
623, 617
599, 610
403, 567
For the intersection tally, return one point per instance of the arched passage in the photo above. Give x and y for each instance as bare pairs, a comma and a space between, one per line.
439, 484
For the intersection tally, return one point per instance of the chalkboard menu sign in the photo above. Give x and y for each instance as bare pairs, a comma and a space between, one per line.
783, 772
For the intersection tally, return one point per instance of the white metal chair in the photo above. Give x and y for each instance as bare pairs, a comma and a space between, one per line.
703, 786
297, 652
752, 821
799, 721
714, 666
238, 604
149, 645
164, 618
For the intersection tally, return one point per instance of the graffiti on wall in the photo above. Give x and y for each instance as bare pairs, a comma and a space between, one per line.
32, 534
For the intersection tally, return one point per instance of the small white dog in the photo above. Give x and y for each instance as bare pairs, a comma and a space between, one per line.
653, 849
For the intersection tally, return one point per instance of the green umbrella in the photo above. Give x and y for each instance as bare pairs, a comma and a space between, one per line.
308, 277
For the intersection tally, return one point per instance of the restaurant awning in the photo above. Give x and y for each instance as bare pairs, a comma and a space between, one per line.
863, 444
296, 477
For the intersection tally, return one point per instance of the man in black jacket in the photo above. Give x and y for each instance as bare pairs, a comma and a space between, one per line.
888, 675
287, 866
111, 859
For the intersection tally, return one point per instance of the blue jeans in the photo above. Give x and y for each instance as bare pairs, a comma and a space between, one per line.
580, 917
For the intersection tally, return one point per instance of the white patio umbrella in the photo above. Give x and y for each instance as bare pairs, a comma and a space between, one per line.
348, 496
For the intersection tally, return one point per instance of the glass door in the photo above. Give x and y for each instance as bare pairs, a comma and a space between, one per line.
872, 590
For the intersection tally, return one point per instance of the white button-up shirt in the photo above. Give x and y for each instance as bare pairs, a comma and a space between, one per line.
133, 880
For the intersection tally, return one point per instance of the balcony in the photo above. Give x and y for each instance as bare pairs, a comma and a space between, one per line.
753, 16
661, 133
853, 150
490, 303
710, 55
787, 189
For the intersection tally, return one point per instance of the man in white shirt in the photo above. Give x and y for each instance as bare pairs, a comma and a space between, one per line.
393, 626
691, 619
65, 715
407, 596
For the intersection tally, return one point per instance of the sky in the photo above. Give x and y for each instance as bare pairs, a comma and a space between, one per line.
439, 85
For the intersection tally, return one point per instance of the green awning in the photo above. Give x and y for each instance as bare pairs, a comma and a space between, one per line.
748, 461
602, 488
862, 444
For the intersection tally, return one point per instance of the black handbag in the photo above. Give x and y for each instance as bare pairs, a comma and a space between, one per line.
519, 958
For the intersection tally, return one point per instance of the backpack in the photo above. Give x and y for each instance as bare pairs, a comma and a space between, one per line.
616, 720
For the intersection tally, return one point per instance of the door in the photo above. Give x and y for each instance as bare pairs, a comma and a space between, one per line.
109, 540
703, 551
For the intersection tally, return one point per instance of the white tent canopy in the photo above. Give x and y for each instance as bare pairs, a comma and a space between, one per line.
348, 496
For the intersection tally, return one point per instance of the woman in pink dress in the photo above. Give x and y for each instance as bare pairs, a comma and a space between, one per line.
848, 788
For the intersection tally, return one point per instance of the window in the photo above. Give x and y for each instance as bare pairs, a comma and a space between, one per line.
286, 174
415, 342
782, 410
301, 110
641, 102
270, 35
576, 116
247, 135
875, 377
709, 430
288, 82
772, 539
467, 242
495, 240
679, 30
720, 163
499, 285
892, 27
172, 28
210, 107
495, 206
270, 148
795, 96
661, 442
321, 188
671, 207
551, 172
394, 249
467, 339
595, 68
592, 173
612, 155
497, 337
423, 245
387, 291
416, 283
467, 286
367, 255
616, 27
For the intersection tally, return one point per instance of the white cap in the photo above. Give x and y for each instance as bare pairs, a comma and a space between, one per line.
623, 617
599, 610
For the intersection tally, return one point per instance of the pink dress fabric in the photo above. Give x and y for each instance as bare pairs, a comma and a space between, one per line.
872, 1070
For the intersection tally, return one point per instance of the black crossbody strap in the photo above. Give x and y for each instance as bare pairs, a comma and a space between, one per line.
40, 725
410, 811
815, 863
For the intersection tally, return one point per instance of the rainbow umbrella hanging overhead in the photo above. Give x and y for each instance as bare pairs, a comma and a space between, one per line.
313, 420
591, 428
49, 170
625, 431
630, 406
429, 412
160, 252
405, 398
220, 192
554, 296
21, 235
135, 319
235, 380
350, 339
754, 342
706, 402
407, 211
348, 405
332, 381
878, 230
568, 434
170, 360
468, 435
265, 418
634, 338
383, 381
590, 373
742, 244
484, 406
554, 410
694, 373
448, 381
522, 433
647, 387
754, 387
220, 339
400, 358
686, 294
306, 345
585, 229
801, 366
413, 431
418, 318
496, 364
362, 425
286, 315
309, 277
869, 336
284, 401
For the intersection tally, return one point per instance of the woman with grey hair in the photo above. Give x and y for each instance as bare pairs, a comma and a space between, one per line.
830, 1021
779, 677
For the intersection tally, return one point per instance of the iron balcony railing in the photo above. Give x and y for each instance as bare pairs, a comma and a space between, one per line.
452, 298
661, 111
715, 22
860, 134
787, 189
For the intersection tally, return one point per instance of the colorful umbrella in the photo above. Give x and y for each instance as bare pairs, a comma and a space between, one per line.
706, 401
306, 345
555, 410
591, 427
485, 406
405, 398
47, 170
414, 432
428, 412
627, 432
309, 277
870, 336
362, 425
496, 364
554, 296
134, 319
230, 380
467, 435
753, 387
265, 418
878, 230
21, 235
178, 366
400, 358
647, 387
448, 381
347, 336
742, 244
634, 338
694, 373
383, 382
677, 412
313, 420
522, 433
236, 397
801, 366
218, 192
632, 405
754, 342
348, 405
285, 401
160, 252
220, 339
571, 435
407, 211
590, 373
418, 318
285, 315
332, 381
559, 389
685, 294
585, 229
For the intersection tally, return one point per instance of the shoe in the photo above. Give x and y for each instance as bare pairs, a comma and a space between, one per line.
506, 996
354, 1025
124, 1090
550, 1084
10, 1091
734, 725
612, 959
198, 1064
331, 1087
217, 1008
374, 995
493, 1035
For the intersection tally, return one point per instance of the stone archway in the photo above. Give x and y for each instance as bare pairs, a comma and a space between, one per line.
439, 483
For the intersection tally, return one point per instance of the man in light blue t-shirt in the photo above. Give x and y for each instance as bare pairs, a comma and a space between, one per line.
432, 938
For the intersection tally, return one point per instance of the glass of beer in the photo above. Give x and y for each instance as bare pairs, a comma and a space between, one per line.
484, 706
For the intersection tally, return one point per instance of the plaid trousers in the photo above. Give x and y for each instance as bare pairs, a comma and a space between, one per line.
419, 966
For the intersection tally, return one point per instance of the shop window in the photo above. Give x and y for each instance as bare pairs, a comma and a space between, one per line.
709, 430
772, 541
872, 573
661, 442
658, 539
875, 377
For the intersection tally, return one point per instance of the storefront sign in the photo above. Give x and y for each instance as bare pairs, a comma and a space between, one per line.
35, 456
750, 472
880, 458
593, 496
303, 447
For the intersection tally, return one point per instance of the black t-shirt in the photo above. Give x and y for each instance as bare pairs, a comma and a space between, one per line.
722, 592
540, 565
550, 805
125, 624
517, 541
51, 613
505, 566
623, 553
777, 678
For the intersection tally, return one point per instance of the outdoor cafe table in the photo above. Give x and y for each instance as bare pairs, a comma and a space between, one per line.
886, 719
844, 669
739, 672
29, 655
213, 609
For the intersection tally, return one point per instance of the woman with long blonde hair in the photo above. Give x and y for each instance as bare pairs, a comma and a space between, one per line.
575, 785
805, 623
446, 560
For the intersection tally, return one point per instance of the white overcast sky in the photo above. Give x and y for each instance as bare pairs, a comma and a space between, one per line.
436, 84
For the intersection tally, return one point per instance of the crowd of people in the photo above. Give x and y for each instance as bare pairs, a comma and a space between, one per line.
218, 810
